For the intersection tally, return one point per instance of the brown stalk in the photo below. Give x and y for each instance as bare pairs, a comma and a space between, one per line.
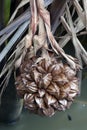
34, 16
46, 17
40, 39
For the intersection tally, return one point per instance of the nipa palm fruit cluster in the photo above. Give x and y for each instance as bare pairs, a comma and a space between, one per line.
48, 80
47, 84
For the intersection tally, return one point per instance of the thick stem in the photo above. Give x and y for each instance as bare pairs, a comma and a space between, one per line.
40, 40
46, 17
34, 20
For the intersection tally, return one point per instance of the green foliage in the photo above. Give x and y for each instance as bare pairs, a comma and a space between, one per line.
7, 10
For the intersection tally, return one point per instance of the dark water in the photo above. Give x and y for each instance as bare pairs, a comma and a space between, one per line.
73, 119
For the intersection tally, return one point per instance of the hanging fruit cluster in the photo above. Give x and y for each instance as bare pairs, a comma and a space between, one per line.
46, 82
